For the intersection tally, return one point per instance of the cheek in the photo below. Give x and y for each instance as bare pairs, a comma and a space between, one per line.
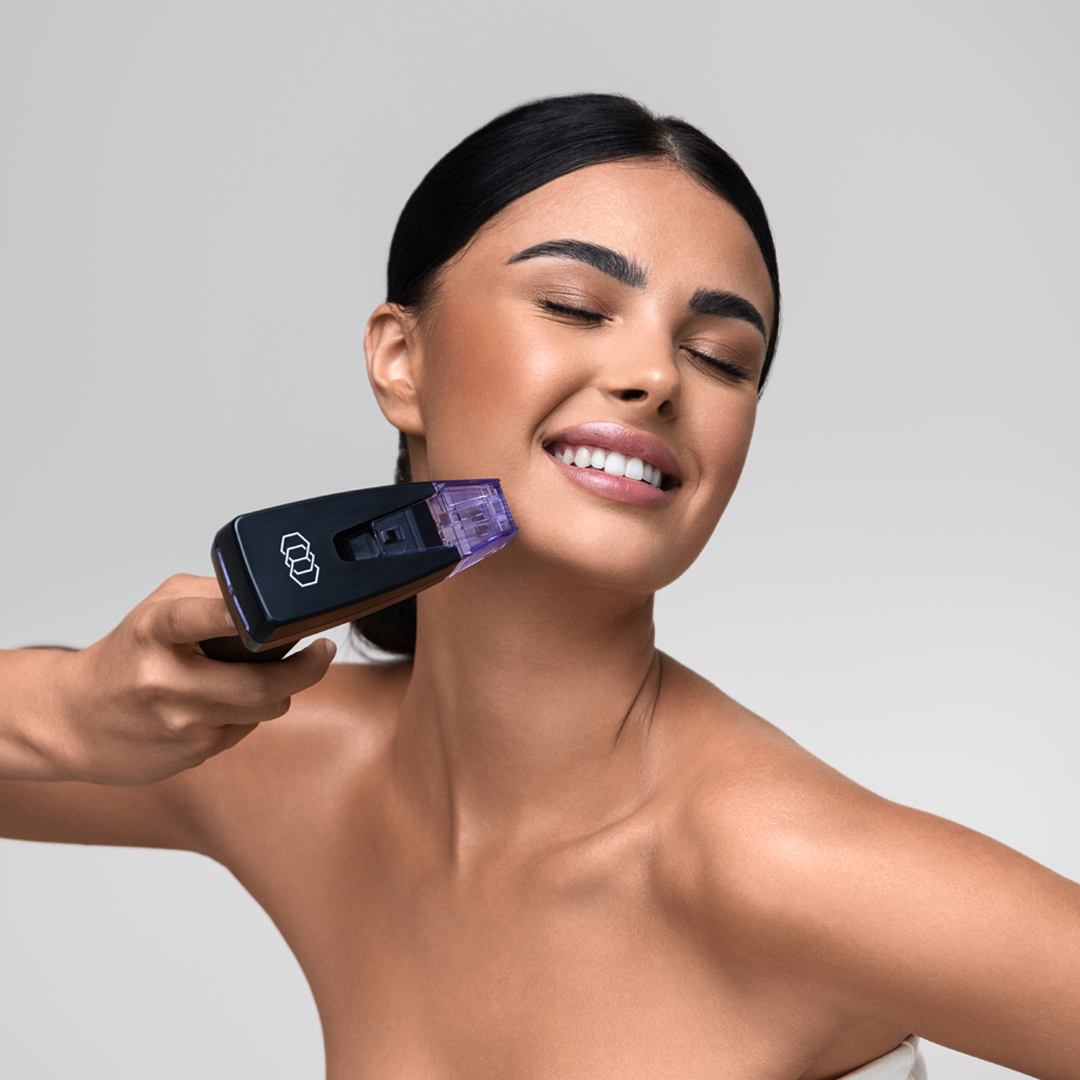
489, 377
726, 441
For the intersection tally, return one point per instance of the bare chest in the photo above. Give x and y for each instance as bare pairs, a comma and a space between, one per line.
562, 966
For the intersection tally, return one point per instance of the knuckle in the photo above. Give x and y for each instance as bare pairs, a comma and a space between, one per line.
141, 623
178, 723
152, 681
179, 585
171, 587
176, 619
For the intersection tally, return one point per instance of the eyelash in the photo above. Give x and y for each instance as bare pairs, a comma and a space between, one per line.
581, 313
726, 367
594, 318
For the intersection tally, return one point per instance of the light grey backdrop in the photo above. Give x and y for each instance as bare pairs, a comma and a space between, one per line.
195, 204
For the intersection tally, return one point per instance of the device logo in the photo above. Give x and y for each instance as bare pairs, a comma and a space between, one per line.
303, 568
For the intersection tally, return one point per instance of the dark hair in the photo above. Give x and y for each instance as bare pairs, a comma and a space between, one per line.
515, 153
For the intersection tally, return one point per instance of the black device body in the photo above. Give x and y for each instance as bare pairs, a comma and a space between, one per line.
290, 571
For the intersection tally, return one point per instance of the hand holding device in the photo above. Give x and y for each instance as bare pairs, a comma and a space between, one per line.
144, 703
305, 567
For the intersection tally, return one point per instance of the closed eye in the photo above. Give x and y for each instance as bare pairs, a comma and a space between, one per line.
726, 367
573, 312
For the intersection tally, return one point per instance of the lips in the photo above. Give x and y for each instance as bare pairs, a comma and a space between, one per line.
617, 445
616, 463
611, 462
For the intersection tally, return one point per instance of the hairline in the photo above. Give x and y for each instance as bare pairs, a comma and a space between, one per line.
670, 155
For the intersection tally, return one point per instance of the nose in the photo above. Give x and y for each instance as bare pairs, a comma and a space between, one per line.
646, 374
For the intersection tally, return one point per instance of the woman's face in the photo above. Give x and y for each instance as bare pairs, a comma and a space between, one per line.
617, 317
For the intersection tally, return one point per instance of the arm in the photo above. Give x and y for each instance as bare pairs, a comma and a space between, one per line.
110, 725
974, 945
900, 917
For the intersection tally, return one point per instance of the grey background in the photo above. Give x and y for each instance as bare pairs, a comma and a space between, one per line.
195, 204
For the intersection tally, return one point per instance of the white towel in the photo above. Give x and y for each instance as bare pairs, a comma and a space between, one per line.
904, 1063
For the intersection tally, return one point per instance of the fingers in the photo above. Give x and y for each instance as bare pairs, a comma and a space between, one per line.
144, 703
190, 690
220, 716
185, 585
258, 686
186, 620
313, 662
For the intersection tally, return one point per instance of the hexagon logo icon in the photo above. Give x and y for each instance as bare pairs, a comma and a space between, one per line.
303, 568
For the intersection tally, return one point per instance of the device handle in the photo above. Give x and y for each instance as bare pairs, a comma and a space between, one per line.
232, 651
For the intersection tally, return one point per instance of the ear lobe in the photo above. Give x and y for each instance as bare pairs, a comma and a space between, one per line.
393, 355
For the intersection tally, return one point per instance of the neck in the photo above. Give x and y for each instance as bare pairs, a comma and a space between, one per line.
528, 705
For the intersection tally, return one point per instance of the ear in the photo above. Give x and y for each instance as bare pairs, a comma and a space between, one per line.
393, 360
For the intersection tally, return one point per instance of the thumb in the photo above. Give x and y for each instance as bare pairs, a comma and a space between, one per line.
309, 665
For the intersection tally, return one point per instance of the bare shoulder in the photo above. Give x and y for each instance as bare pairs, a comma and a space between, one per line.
748, 804
902, 916
736, 761
298, 767
752, 806
352, 710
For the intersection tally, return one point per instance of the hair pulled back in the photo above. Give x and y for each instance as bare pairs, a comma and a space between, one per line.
515, 153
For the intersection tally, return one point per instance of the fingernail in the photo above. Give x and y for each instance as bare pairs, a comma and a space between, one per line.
331, 648
228, 620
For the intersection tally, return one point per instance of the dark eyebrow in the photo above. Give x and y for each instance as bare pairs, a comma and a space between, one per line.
603, 259
722, 305
727, 305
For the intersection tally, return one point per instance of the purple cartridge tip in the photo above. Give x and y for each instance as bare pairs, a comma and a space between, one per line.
472, 516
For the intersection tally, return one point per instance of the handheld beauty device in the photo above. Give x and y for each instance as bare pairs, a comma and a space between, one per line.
299, 569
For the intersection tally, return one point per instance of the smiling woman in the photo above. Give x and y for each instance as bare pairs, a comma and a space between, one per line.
521, 151
538, 847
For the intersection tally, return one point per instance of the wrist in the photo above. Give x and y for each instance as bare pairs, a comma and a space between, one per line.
35, 723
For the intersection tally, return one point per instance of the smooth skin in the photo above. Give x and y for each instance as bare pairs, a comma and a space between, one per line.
543, 849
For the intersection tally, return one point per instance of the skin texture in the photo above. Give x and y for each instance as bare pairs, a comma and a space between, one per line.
543, 849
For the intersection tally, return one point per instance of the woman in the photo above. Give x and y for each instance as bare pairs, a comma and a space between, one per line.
539, 848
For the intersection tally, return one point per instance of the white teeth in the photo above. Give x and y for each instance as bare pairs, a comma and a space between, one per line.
613, 463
